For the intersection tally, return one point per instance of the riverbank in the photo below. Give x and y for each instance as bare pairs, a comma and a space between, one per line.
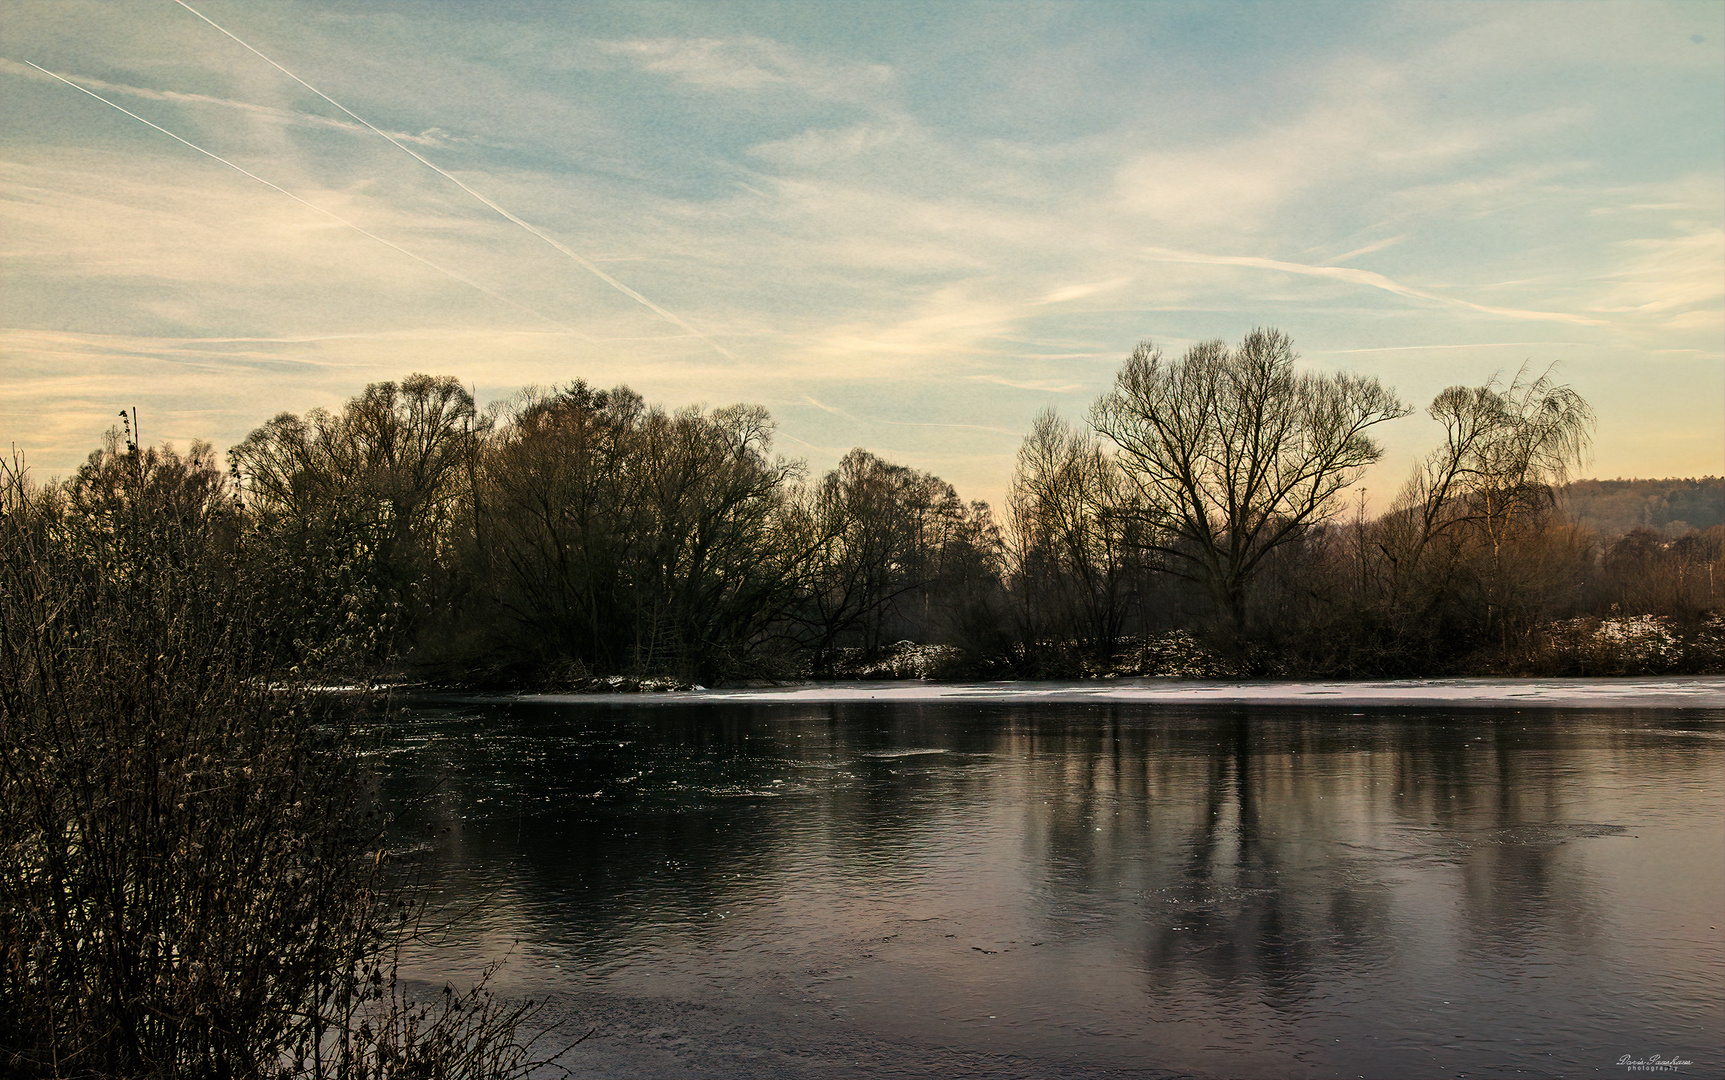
1635, 647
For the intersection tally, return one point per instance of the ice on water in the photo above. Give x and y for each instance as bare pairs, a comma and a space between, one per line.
1663, 692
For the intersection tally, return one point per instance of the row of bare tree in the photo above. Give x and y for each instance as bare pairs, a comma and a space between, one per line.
1210, 492
577, 532
582, 531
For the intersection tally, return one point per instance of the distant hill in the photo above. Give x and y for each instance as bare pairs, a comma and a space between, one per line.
1613, 507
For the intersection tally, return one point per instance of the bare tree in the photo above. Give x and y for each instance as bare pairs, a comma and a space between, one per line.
866, 522
890, 550
357, 510
712, 572
192, 876
1236, 452
1505, 451
552, 538
632, 539
1493, 481
1073, 517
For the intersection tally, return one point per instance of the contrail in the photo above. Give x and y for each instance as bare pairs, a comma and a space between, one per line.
327, 213
404, 148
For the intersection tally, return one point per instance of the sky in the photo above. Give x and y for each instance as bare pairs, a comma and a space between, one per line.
909, 227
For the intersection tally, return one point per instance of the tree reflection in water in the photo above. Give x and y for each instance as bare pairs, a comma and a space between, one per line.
1267, 875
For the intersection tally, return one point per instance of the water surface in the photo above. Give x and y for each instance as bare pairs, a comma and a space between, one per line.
1058, 886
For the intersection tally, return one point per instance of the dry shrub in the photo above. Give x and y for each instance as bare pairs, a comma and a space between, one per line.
191, 879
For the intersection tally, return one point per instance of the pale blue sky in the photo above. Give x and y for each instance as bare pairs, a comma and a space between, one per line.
903, 226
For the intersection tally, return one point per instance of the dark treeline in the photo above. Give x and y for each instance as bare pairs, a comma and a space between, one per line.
1202, 520
575, 533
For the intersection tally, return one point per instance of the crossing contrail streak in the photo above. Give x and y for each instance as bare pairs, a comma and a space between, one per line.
404, 148
327, 213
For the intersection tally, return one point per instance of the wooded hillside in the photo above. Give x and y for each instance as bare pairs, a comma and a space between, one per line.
1673, 507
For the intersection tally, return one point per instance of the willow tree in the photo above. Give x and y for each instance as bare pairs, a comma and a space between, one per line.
1236, 452
1477, 505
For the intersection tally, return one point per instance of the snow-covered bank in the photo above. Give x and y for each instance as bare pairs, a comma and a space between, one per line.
1682, 692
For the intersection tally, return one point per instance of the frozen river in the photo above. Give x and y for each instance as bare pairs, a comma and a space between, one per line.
1126, 878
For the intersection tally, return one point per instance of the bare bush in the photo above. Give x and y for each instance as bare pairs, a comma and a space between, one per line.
191, 879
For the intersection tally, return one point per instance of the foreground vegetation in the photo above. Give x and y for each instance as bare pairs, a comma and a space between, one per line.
192, 880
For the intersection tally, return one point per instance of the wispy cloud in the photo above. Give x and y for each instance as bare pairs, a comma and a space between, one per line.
1008, 432
332, 215
1078, 292
751, 63
1678, 278
833, 451
1376, 245
817, 147
1365, 278
1433, 348
1044, 386
824, 407
491, 204
869, 421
